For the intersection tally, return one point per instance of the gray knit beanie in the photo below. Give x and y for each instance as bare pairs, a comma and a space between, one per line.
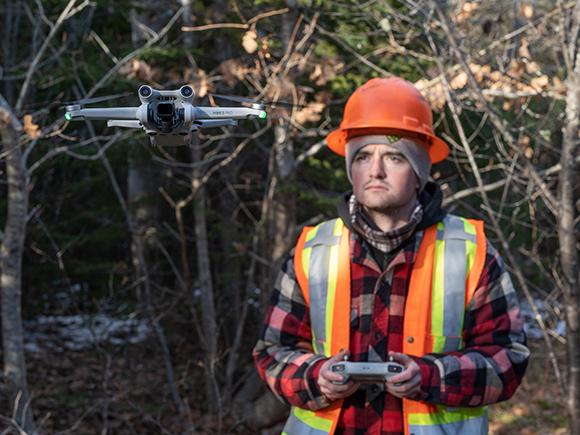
414, 151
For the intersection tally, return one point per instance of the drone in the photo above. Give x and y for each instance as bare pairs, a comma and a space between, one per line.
168, 117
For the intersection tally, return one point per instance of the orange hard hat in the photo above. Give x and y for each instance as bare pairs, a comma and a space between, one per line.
388, 106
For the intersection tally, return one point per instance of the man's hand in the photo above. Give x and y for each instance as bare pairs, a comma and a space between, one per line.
410, 379
325, 378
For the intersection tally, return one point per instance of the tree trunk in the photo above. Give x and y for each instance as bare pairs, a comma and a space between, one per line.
283, 220
208, 316
11, 270
568, 237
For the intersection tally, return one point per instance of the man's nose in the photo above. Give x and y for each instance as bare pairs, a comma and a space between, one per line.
377, 169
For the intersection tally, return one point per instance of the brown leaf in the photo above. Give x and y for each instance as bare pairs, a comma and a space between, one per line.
142, 70
480, 71
523, 51
527, 11
311, 113
532, 68
280, 89
323, 96
495, 77
316, 73
525, 140
516, 68
232, 70
459, 81
324, 71
249, 41
199, 80
30, 127
466, 11
435, 95
539, 83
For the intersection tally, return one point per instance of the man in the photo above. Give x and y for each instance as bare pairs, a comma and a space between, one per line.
394, 278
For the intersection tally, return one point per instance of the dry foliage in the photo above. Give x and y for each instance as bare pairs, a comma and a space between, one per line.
31, 128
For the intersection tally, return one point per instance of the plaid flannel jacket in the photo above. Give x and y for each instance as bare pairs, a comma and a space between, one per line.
487, 370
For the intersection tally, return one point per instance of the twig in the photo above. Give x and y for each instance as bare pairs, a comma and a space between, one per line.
235, 25
32, 68
135, 53
489, 187
104, 46
353, 52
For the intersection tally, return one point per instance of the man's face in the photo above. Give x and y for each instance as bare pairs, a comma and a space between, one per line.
383, 180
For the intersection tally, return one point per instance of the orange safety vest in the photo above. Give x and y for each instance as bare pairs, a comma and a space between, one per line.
444, 278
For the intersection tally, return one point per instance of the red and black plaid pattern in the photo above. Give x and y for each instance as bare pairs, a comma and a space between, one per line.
487, 370
378, 299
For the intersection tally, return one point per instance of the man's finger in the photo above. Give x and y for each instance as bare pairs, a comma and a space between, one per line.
327, 373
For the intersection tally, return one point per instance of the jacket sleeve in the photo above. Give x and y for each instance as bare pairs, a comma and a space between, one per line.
284, 355
494, 358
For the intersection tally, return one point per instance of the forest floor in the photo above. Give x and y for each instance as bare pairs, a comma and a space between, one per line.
71, 395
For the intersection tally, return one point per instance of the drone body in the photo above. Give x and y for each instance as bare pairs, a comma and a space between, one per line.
168, 117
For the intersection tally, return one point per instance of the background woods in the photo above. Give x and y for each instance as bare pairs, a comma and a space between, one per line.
134, 279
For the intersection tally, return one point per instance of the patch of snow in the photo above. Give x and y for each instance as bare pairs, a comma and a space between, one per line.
62, 333
549, 313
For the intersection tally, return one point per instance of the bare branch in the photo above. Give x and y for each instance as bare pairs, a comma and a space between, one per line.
32, 69
135, 53
551, 201
235, 25
483, 194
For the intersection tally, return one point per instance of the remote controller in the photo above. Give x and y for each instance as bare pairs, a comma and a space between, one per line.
366, 372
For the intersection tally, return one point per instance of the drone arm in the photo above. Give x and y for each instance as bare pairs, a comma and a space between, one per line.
126, 124
202, 113
210, 123
118, 113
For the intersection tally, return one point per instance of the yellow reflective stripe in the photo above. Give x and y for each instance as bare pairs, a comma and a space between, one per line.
331, 295
443, 416
469, 228
470, 247
309, 418
438, 289
338, 227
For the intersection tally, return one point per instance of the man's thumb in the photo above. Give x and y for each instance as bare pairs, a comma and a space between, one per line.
340, 356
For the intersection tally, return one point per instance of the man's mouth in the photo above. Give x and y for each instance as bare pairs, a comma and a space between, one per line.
376, 187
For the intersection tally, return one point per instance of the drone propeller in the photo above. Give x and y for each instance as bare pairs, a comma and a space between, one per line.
94, 100
260, 102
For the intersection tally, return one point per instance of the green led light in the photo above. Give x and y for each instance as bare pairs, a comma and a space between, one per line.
262, 114
67, 116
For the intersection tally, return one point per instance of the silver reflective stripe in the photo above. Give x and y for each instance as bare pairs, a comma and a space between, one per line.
472, 426
452, 344
317, 284
455, 229
455, 266
295, 426
318, 270
455, 273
